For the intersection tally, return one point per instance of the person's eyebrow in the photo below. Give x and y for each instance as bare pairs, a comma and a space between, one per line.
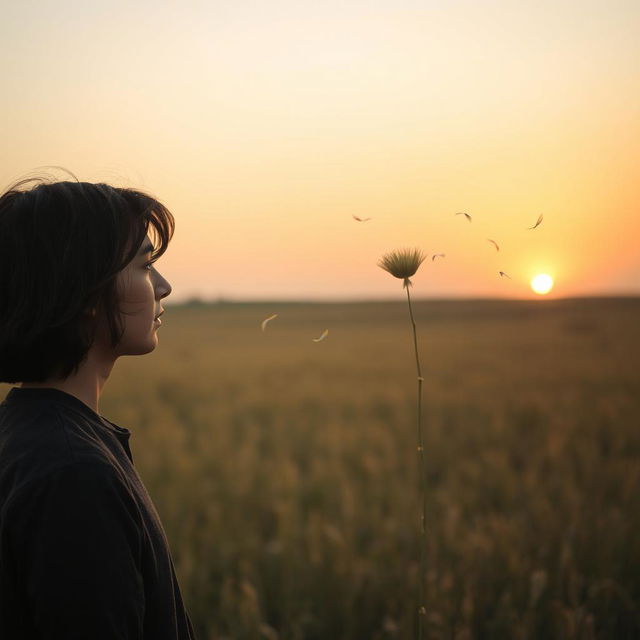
148, 248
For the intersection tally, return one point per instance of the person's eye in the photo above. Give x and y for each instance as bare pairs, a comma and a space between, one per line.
148, 265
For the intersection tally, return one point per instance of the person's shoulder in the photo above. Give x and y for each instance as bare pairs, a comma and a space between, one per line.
40, 446
39, 440
32, 444
22, 418
85, 483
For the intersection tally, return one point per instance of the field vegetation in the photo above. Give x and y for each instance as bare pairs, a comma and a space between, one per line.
285, 470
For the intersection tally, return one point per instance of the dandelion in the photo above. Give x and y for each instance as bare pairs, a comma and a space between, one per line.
403, 264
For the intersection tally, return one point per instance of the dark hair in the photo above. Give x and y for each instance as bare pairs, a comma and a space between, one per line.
62, 245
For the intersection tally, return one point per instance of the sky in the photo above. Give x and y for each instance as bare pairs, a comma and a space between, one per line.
266, 126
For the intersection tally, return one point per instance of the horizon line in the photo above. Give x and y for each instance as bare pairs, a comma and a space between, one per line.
196, 300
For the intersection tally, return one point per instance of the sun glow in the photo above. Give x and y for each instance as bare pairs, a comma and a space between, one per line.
542, 283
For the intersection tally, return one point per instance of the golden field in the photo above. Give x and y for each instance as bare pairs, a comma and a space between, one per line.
285, 470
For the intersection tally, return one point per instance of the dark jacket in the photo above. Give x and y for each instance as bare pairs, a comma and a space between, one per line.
83, 554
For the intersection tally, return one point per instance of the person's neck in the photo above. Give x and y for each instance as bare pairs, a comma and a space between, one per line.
86, 384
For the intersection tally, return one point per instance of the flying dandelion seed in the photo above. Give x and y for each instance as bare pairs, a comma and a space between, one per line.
494, 243
325, 333
437, 255
361, 219
504, 275
264, 322
466, 215
538, 222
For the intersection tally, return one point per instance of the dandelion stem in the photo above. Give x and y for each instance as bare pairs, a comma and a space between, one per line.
422, 606
403, 264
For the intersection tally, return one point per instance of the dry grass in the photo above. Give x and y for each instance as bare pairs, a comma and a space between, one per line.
285, 470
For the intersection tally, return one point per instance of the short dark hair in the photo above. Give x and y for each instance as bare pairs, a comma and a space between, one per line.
62, 245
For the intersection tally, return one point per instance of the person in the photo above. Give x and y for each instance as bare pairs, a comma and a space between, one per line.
83, 553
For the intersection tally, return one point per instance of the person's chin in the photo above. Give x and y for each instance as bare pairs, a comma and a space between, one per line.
143, 346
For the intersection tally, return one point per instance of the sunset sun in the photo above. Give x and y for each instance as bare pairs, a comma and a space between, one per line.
542, 283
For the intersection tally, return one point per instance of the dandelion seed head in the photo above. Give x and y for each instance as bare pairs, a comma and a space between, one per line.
402, 263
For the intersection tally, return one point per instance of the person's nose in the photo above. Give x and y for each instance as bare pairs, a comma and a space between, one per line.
163, 288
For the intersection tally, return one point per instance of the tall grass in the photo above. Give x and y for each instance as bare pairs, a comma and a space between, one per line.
284, 470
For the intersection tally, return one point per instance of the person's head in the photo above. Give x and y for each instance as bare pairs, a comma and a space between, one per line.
72, 278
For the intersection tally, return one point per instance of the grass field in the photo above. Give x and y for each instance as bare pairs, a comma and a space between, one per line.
285, 471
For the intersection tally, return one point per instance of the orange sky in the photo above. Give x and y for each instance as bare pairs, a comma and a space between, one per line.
265, 126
